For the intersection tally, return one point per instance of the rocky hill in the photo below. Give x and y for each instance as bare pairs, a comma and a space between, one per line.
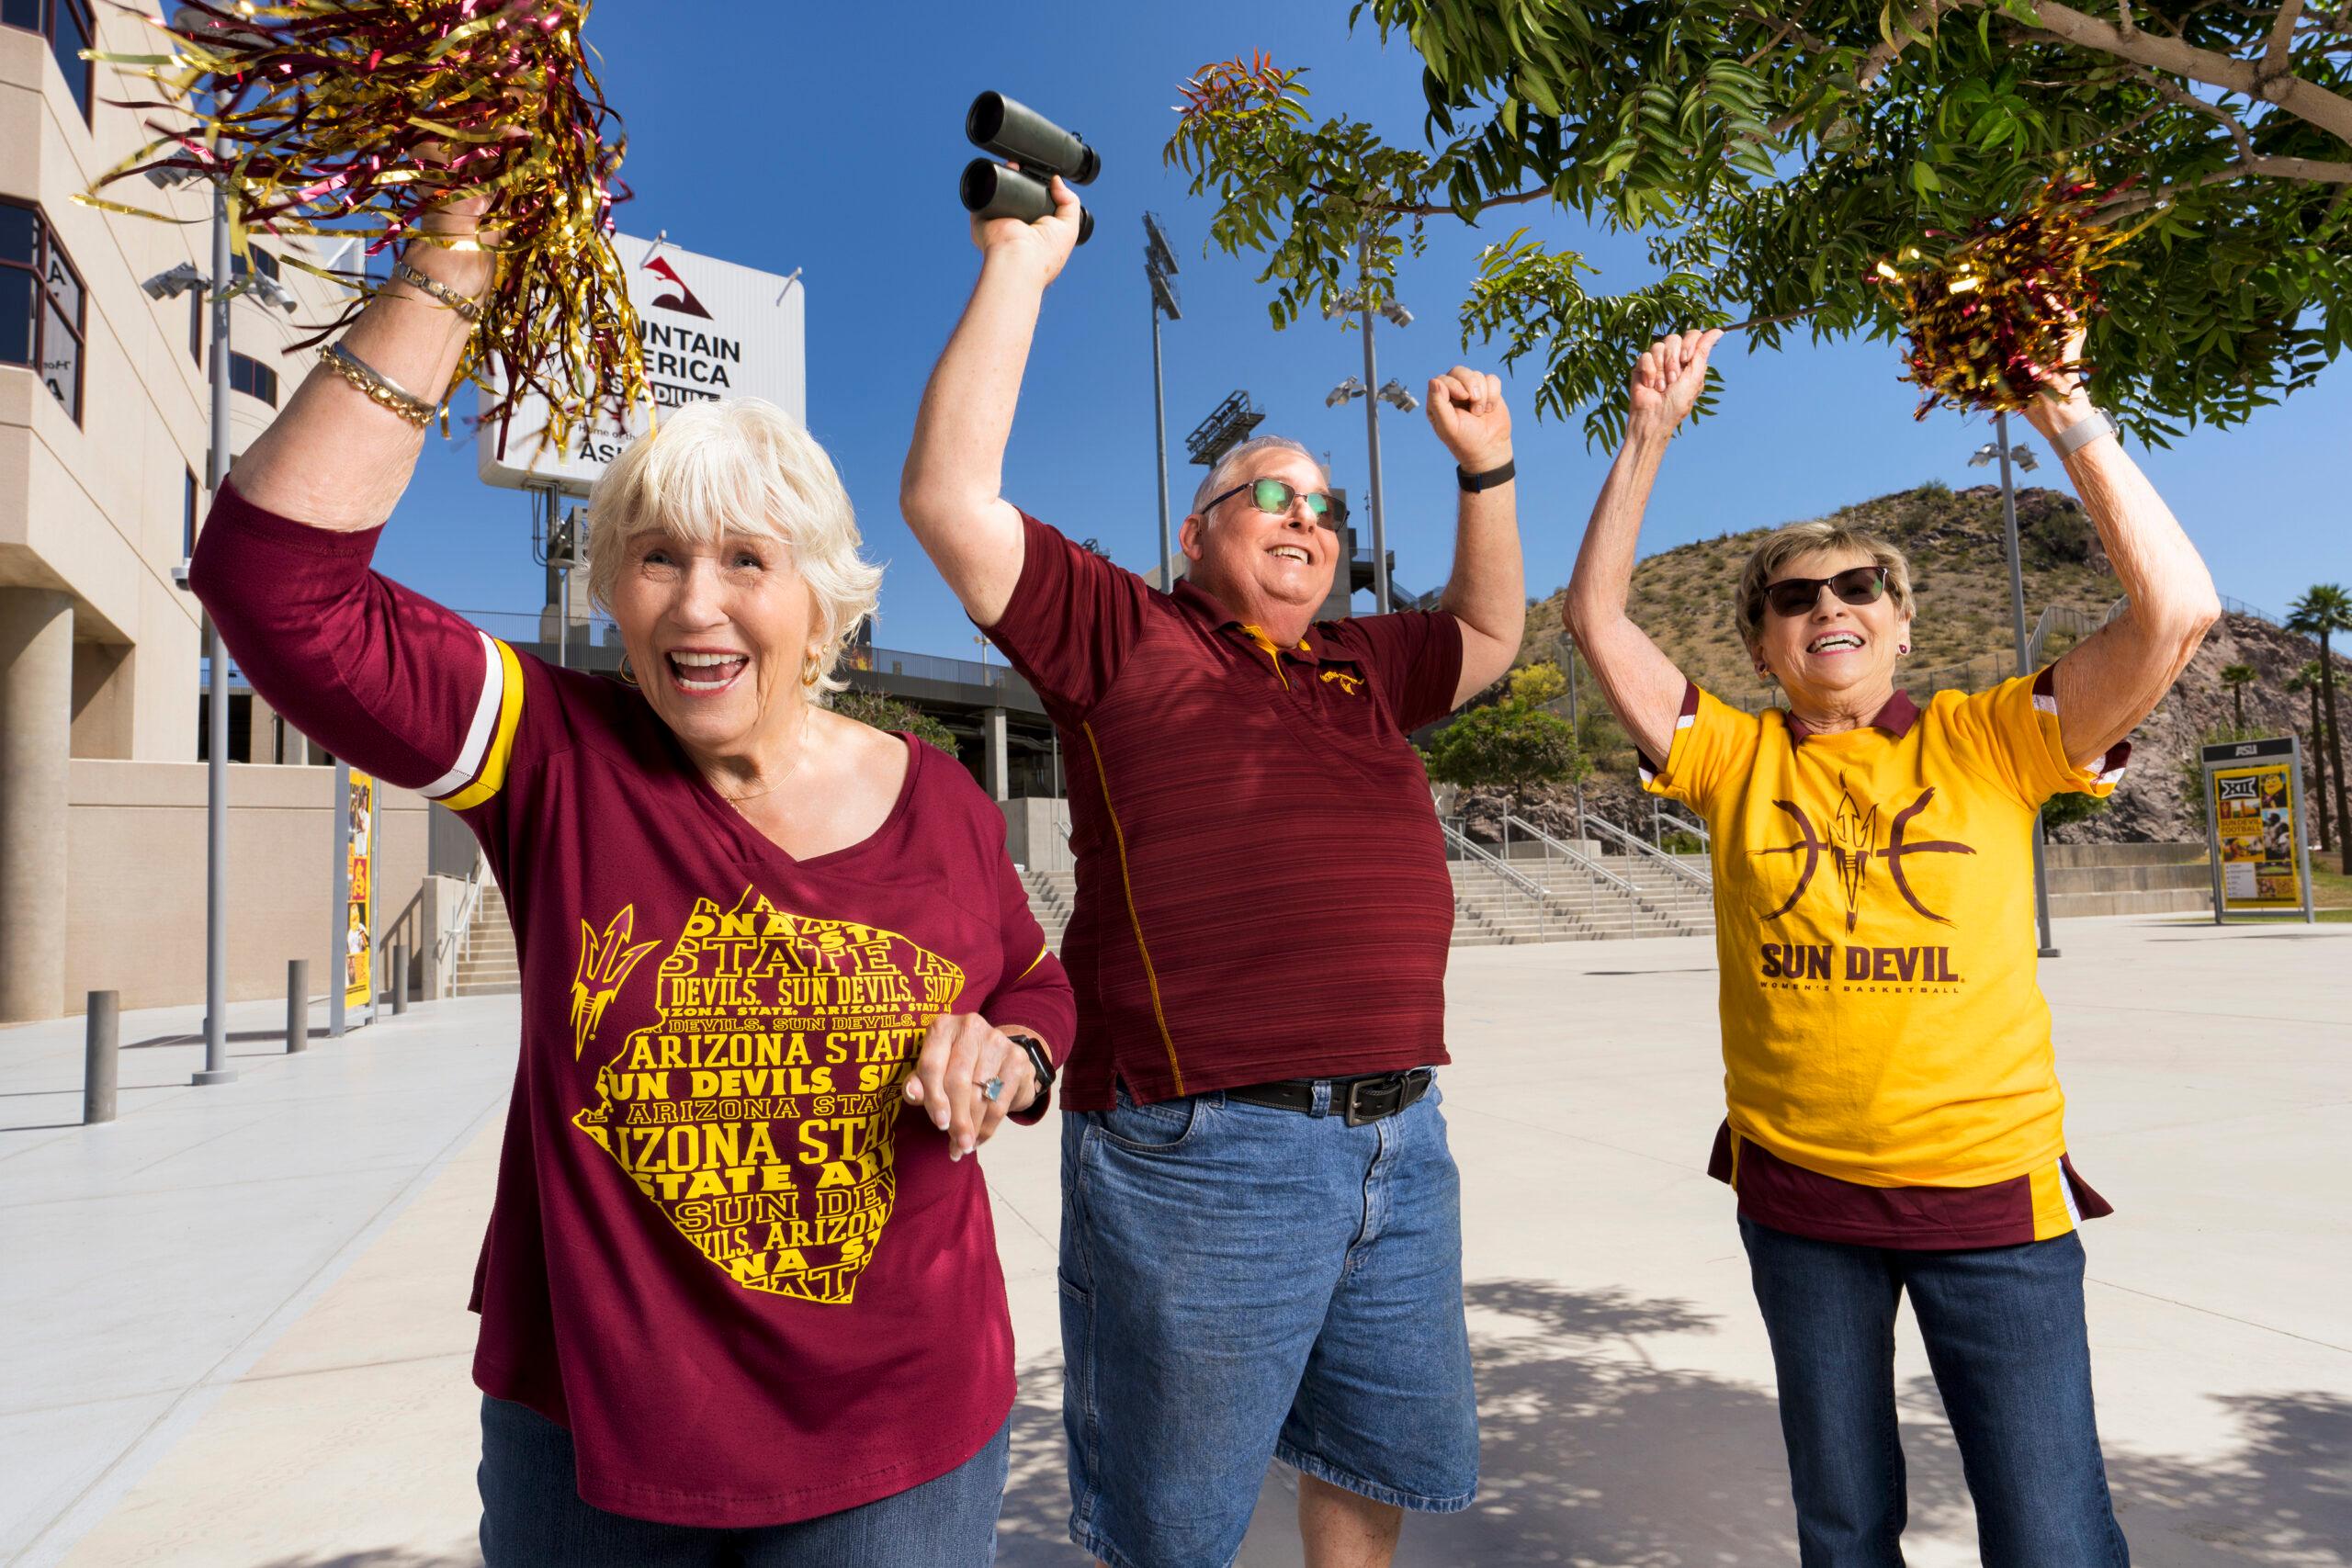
1962, 637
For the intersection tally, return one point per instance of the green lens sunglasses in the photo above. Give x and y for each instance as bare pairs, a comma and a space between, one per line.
1276, 495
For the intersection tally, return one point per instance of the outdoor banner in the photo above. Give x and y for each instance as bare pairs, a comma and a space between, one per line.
359, 907
2254, 812
709, 329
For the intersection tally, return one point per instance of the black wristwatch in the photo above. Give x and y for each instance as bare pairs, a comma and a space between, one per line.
1474, 483
1040, 1058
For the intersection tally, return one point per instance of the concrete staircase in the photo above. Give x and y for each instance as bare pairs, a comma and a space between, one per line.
490, 967
1491, 910
1052, 895
1488, 910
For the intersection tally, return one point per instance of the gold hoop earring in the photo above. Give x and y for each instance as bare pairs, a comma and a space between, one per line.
629, 676
811, 671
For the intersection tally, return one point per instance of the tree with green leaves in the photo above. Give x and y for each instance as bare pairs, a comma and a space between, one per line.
1771, 155
2237, 678
885, 712
1511, 745
2305, 681
2322, 611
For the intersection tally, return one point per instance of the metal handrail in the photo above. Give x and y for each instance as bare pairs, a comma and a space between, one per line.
1681, 824
461, 932
1697, 878
1582, 862
1513, 879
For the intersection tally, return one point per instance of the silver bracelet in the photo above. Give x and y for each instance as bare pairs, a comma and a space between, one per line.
2082, 433
469, 309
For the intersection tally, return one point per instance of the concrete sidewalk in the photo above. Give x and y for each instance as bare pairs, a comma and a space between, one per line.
275, 1371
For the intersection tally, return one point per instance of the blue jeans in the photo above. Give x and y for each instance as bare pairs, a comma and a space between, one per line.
2004, 1335
1240, 1284
532, 1516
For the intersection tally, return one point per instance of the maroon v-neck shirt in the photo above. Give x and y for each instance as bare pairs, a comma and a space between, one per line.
754, 1288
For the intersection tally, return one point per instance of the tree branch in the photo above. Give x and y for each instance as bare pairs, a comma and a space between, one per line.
2305, 100
2308, 171
1882, 55
2282, 35
2190, 101
1448, 209
1787, 25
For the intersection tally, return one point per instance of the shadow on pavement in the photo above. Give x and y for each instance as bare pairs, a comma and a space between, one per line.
1593, 1454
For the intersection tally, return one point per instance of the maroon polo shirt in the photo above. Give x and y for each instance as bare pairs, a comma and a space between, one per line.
1262, 890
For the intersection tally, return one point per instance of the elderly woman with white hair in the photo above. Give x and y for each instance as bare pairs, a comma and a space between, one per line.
1894, 1121
739, 1296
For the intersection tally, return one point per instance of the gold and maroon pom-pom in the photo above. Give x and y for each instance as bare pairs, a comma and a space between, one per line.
339, 117
1990, 320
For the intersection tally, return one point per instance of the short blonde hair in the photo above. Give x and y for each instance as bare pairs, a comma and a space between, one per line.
741, 467
1782, 545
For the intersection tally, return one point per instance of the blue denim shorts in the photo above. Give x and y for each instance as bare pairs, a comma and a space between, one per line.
1240, 1284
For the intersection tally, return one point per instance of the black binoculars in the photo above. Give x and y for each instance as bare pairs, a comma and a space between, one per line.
1015, 131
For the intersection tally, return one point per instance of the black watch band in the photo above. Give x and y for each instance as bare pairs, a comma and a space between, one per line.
1474, 483
1038, 1058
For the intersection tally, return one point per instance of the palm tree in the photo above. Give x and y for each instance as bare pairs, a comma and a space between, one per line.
2306, 680
2237, 678
2321, 612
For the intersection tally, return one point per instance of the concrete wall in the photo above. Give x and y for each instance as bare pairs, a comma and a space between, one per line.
1036, 833
134, 892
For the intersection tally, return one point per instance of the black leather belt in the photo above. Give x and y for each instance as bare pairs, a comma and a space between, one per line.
1360, 1100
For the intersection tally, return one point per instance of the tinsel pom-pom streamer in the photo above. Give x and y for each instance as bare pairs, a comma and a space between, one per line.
341, 117
1990, 321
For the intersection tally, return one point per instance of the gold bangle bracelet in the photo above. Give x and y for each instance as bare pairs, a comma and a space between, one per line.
381, 389
468, 309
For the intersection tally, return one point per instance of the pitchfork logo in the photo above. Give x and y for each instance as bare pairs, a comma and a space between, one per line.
683, 301
1852, 844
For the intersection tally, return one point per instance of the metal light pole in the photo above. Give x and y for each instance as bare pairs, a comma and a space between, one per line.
1575, 728
2017, 613
1160, 270
1393, 393
216, 769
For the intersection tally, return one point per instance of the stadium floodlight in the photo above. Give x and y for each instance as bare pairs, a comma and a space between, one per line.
1398, 315
270, 291
1394, 394
1345, 391
1984, 454
178, 281
2024, 459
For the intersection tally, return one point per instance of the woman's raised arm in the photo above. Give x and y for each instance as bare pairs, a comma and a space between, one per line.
1642, 684
2113, 679
333, 458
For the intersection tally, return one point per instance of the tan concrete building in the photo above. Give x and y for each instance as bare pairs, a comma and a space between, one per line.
102, 439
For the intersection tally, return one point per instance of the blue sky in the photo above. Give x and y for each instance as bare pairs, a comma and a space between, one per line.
829, 139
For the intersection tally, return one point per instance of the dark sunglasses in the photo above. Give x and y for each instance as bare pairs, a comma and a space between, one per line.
1275, 496
1794, 596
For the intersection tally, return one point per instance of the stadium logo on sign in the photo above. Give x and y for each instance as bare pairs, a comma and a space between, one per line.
683, 301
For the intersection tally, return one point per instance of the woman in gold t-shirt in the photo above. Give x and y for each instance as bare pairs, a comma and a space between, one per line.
1895, 1119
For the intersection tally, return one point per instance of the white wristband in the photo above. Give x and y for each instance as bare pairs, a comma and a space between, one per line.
2082, 433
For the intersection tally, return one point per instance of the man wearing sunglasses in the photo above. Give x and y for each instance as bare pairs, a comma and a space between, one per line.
1895, 1123
1260, 1247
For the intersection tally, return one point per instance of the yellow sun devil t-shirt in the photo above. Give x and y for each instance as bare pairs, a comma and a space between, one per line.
1881, 1022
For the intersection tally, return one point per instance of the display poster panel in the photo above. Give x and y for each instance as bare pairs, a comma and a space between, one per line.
708, 329
2254, 807
359, 911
